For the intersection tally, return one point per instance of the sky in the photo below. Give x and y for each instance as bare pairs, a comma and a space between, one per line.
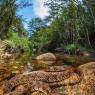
36, 10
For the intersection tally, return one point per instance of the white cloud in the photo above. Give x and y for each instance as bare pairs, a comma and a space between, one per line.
40, 9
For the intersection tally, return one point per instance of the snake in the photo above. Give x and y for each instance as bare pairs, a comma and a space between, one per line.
41, 80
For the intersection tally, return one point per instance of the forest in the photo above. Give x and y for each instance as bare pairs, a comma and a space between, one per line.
65, 37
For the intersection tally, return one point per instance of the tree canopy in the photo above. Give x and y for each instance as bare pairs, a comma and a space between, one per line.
70, 22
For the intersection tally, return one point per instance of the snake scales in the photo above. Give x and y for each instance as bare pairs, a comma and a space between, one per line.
41, 80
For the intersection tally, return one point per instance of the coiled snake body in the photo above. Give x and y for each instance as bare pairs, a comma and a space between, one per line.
41, 80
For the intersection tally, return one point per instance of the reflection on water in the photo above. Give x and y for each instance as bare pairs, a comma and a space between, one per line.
73, 59
8, 70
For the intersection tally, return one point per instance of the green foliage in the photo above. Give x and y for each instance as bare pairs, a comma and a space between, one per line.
70, 46
9, 18
15, 40
38, 41
71, 26
7, 13
36, 24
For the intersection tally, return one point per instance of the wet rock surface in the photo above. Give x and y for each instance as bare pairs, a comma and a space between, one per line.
87, 84
85, 87
48, 58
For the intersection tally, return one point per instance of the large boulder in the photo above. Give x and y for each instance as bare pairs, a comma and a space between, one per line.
48, 58
87, 84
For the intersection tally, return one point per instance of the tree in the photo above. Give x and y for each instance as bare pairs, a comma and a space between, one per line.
7, 10
71, 24
8, 17
78, 20
35, 24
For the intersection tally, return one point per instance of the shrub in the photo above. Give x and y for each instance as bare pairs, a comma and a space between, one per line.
14, 40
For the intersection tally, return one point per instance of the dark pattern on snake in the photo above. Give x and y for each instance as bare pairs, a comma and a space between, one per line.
40, 80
